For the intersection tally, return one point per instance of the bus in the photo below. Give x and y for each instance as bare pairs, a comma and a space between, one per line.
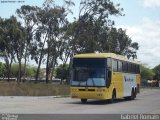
104, 76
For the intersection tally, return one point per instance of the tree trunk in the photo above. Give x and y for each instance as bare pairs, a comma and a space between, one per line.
39, 65
53, 68
47, 75
20, 71
8, 68
40, 61
8, 75
25, 62
47, 66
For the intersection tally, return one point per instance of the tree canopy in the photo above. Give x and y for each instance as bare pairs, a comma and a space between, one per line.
146, 73
156, 70
46, 36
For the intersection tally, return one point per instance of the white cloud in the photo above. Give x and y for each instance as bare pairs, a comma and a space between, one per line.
151, 3
147, 34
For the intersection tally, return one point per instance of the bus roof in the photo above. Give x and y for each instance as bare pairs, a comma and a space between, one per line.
105, 55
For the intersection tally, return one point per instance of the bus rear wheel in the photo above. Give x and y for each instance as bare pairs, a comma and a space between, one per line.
132, 97
135, 93
83, 100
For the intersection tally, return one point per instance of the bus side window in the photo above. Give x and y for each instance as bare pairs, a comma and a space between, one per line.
124, 66
129, 67
109, 63
119, 66
137, 68
127, 70
115, 65
134, 68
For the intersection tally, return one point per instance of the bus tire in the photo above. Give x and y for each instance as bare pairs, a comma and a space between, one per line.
112, 100
83, 100
132, 97
135, 93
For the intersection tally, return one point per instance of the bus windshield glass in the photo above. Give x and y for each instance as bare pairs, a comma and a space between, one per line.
88, 72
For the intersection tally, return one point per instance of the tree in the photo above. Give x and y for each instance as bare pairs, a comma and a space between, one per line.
15, 70
12, 36
146, 73
30, 70
2, 69
93, 21
156, 70
118, 42
93, 31
28, 15
7, 33
52, 19
18, 36
62, 72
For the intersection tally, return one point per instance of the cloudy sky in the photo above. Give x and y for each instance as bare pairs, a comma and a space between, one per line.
141, 21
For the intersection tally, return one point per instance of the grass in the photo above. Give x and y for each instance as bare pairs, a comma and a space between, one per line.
31, 89
39, 89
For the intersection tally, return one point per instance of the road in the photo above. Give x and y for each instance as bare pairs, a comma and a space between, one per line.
148, 101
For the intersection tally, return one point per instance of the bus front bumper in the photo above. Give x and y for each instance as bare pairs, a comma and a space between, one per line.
89, 93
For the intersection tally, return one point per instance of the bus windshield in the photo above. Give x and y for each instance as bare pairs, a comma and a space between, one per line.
88, 72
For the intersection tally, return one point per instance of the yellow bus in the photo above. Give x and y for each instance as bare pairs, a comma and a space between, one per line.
104, 76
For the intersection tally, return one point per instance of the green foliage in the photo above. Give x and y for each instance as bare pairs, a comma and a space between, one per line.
11, 38
48, 36
2, 69
51, 21
30, 71
146, 73
156, 70
117, 41
93, 31
62, 71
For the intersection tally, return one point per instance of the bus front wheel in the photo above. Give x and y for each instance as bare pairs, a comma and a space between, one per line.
112, 100
83, 100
